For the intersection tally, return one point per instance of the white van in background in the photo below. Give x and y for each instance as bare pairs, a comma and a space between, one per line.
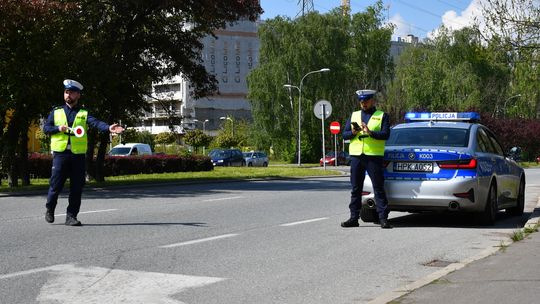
131, 149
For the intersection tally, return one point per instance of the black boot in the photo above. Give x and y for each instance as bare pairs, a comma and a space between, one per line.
350, 223
49, 215
72, 221
385, 224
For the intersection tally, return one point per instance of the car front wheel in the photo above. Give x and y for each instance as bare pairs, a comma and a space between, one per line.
520, 202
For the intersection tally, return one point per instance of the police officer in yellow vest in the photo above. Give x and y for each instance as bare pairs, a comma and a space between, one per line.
67, 126
367, 130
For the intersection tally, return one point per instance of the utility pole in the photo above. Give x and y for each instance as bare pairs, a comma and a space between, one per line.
306, 6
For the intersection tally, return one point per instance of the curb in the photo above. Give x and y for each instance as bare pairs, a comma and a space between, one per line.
406, 289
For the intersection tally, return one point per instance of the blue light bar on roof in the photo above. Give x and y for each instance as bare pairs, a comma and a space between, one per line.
442, 116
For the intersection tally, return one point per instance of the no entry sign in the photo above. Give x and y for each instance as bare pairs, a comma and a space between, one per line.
334, 127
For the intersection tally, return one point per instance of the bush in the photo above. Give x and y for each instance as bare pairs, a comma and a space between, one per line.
39, 165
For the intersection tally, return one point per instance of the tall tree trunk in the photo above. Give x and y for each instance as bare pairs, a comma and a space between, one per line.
23, 157
100, 158
11, 155
90, 167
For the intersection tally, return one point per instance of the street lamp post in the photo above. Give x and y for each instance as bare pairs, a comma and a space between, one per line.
232, 122
203, 124
300, 109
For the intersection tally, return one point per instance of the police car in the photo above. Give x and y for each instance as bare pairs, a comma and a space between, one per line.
447, 162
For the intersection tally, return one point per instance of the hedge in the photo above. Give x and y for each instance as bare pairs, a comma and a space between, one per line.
39, 165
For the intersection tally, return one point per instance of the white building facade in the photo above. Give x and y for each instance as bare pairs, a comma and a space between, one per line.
230, 57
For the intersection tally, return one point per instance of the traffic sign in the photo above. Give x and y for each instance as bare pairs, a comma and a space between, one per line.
322, 106
334, 127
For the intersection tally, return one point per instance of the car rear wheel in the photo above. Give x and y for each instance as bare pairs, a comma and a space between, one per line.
368, 215
250, 164
520, 203
265, 164
489, 215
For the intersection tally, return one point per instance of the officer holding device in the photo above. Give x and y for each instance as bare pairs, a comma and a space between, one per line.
367, 129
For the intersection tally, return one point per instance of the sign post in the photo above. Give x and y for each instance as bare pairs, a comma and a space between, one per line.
334, 129
323, 109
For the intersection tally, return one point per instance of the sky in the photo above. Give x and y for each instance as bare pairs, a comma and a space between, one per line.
420, 18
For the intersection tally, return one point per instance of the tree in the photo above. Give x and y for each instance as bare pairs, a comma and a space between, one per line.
28, 29
164, 138
356, 49
514, 23
197, 138
453, 72
116, 48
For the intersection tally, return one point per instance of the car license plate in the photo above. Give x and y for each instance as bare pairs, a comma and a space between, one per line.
413, 167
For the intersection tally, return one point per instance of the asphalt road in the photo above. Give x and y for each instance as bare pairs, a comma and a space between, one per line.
236, 242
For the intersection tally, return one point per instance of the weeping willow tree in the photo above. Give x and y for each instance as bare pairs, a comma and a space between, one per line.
355, 49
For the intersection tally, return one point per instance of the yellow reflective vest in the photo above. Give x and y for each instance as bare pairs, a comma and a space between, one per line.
362, 143
59, 141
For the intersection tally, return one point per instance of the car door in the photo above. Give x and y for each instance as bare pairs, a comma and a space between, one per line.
507, 183
238, 157
258, 159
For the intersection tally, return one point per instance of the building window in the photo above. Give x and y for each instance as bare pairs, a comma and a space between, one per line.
165, 88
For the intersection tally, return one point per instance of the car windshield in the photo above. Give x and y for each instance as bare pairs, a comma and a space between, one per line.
331, 154
120, 151
220, 154
436, 137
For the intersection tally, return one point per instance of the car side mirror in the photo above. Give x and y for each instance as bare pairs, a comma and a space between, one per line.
514, 154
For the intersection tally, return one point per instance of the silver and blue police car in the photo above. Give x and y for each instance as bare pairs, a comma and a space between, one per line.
448, 162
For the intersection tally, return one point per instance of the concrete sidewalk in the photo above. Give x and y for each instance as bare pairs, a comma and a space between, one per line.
502, 275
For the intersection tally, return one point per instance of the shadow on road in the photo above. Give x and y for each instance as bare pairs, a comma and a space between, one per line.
455, 220
213, 188
151, 224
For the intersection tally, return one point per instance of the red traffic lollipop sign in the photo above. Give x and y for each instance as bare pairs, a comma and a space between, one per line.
334, 127
79, 131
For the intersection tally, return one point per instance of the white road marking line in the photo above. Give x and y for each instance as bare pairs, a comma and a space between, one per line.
304, 222
221, 199
85, 212
200, 240
20, 273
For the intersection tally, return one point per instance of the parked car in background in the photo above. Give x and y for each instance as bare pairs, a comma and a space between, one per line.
330, 159
256, 159
131, 149
227, 157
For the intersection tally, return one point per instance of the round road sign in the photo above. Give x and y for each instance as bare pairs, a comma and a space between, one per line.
334, 127
318, 109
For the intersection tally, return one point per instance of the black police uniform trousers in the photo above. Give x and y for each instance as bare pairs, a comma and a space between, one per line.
67, 164
374, 167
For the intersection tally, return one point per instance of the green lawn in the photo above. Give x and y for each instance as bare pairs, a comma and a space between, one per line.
219, 173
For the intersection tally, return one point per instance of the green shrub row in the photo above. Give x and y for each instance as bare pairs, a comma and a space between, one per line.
39, 165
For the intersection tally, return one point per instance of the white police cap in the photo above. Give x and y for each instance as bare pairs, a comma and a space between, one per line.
365, 94
72, 85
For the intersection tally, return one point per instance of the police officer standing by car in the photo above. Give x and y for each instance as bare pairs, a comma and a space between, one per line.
67, 127
368, 130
